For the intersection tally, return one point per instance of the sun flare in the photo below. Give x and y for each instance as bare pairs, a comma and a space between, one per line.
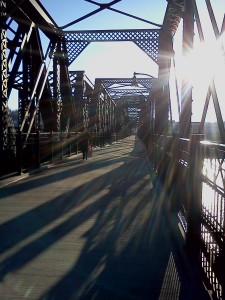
203, 63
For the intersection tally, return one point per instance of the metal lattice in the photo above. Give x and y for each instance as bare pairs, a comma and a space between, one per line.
143, 82
118, 87
146, 39
4, 99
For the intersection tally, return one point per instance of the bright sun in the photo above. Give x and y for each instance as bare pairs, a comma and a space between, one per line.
203, 63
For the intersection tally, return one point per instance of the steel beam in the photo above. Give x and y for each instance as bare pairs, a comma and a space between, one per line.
4, 79
161, 93
25, 12
146, 39
186, 93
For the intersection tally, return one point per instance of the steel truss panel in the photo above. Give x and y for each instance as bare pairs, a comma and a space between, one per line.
132, 101
144, 82
116, 94
128, 99
118, 87
3, 78
120, 90
81, 94
146, 39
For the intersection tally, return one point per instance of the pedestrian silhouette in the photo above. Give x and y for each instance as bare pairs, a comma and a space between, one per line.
84, 140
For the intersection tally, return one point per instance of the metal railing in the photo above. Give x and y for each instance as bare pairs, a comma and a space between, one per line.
25, 153
193, 172
213, 216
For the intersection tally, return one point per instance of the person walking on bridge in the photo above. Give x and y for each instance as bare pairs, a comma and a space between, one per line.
84, 141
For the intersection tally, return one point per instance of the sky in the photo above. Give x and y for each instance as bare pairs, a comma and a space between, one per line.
121, 59
74, 9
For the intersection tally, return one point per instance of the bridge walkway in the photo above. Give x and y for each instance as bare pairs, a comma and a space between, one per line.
95, 229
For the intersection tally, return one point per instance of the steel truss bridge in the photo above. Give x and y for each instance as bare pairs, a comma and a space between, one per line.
55, 103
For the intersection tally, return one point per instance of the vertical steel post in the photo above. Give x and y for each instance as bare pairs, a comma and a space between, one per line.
37, 158
68, 110
186, 93
61, 144
19, 152
69, 137
193, 237
79, 101
4, 81
56, 88
162, 84
52, 147
77, 142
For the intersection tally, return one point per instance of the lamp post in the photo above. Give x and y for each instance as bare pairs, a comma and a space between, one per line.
145, 74
134, 79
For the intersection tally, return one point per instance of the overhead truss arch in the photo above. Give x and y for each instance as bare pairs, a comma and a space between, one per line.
117, 87
127, 98
146, 39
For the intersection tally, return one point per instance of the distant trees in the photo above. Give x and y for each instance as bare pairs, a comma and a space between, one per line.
14, 115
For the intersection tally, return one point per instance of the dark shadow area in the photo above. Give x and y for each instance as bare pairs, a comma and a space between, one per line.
127, 248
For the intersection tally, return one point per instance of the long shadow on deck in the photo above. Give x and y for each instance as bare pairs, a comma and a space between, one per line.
127, 250
30, 222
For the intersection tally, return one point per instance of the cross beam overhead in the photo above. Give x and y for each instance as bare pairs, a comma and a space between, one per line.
146, 39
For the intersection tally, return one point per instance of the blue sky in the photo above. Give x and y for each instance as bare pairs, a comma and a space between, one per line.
73, 9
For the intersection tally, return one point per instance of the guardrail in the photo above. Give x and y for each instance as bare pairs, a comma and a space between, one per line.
29, 152
193, 172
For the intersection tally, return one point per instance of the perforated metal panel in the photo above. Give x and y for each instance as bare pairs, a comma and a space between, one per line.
146, 39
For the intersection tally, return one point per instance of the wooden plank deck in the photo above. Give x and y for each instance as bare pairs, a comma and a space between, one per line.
94, 229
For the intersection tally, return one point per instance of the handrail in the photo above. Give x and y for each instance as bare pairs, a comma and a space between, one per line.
199, 169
